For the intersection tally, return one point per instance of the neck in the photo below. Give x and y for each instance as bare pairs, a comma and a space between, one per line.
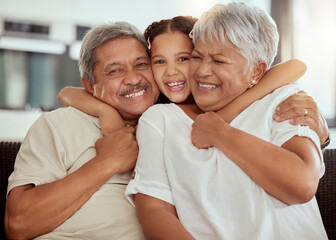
192, 110
131, 122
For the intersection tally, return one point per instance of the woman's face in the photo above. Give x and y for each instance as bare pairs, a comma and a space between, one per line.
217, 74
170, 59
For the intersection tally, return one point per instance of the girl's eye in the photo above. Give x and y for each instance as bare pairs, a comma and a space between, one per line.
182, 59
159, 62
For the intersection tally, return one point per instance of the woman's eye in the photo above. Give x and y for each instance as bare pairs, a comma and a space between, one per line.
195, 57
219, 61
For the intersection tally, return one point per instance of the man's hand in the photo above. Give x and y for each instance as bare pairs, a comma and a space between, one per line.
205, 129
119, 149
301, 109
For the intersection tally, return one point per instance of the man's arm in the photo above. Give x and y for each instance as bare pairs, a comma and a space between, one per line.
159, 219
35, 210
293, 109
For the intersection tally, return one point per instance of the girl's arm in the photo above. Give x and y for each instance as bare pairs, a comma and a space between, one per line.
79, 98
159, 219
277, 76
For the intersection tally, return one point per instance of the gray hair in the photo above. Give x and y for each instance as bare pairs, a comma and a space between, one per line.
99, 35
250, 29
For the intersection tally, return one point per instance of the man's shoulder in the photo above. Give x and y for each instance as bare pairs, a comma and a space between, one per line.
65, 115
68, 119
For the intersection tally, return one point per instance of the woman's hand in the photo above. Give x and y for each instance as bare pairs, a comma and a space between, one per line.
205, 129
301, 109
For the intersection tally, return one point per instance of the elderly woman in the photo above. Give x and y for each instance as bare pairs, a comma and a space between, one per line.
198, 176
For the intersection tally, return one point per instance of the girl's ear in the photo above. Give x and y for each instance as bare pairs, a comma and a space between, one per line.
259, 71
88, 85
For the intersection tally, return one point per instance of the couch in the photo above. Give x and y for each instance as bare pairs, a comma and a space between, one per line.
326, 192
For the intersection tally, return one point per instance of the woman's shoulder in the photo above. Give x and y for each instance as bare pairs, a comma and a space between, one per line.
281, 93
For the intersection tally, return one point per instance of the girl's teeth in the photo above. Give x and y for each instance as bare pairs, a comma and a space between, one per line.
175, 84
137, 94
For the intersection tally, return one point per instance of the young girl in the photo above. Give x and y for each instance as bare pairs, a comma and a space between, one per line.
170, 51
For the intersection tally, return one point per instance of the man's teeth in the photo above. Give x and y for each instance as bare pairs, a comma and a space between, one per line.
175, 84
137, 94
209, 86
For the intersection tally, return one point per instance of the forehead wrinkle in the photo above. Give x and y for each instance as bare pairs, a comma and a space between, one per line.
142, 58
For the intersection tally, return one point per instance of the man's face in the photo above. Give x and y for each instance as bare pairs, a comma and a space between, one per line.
124, 77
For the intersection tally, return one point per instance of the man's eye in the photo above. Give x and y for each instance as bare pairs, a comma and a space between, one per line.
143, 64
115, 71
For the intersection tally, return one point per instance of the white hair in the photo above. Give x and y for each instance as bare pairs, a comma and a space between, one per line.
249, 28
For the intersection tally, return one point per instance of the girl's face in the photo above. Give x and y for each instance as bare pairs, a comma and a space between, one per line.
170, 58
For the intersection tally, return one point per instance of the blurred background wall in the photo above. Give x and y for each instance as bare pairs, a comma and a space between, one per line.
40, 41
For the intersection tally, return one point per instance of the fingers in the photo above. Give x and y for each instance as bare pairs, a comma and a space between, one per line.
304, 121
118, 132
297, 105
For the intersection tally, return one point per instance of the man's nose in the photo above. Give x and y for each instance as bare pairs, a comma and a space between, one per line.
132, 77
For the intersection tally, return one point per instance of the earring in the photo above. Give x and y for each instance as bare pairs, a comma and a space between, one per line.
148, 44
252, 83
191, 34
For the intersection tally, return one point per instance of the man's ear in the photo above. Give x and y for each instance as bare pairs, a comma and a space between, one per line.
259, 71
88, 85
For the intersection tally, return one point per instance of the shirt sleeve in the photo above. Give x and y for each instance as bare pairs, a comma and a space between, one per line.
41, 156
283, 131
150, 175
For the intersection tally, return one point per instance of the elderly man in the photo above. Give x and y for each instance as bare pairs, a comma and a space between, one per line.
64, 185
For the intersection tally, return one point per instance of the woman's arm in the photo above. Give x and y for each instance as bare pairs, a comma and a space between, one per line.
290, 172
79, 98
275, 77
159, 219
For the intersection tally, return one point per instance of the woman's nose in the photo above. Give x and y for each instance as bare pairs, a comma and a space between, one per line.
204, 69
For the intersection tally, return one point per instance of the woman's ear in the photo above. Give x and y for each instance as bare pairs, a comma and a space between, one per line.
259, 71
88, 85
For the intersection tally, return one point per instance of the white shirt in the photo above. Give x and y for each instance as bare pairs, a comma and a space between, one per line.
213, 197
59, 143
